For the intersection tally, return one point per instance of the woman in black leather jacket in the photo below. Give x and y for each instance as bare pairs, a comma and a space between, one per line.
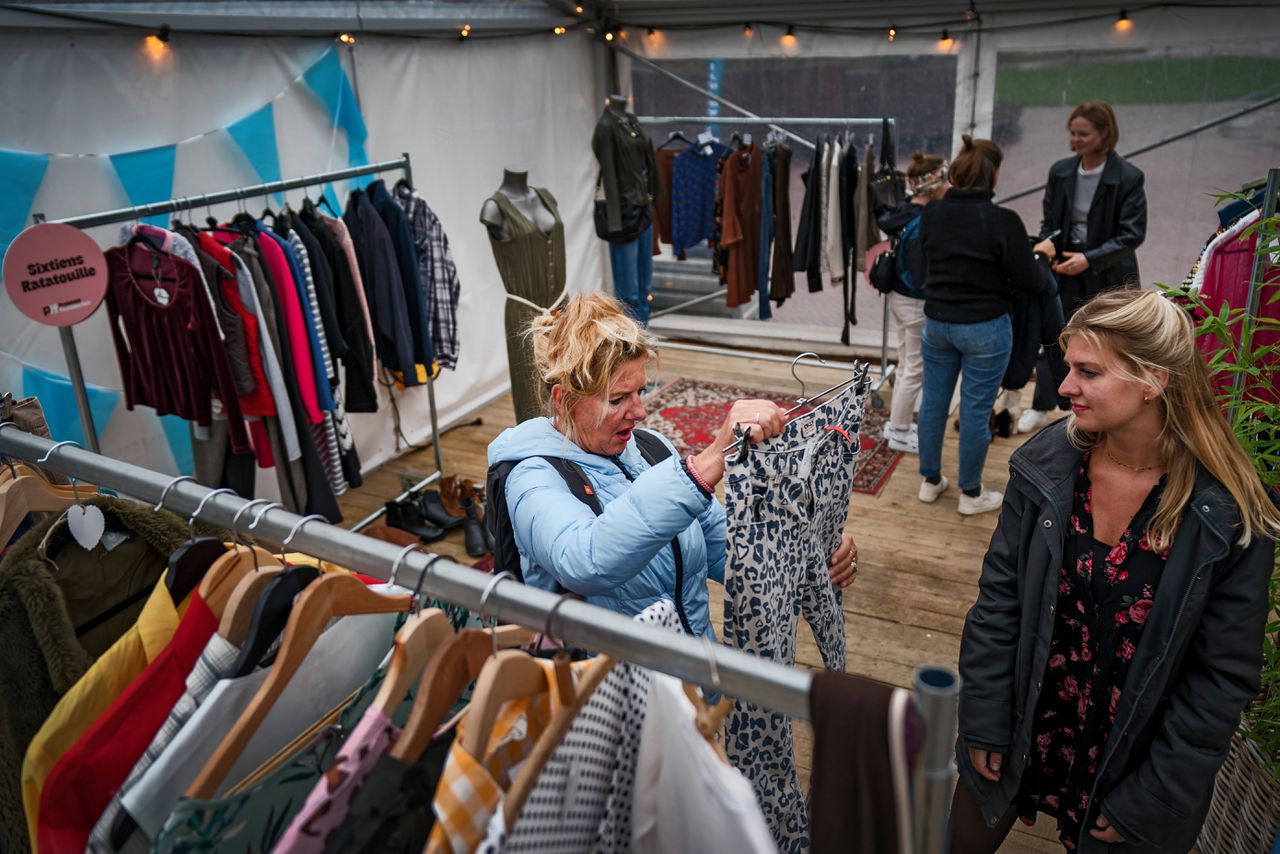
1118, 629
1096, 205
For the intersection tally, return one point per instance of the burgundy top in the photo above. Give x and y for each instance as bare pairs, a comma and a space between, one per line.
171, 357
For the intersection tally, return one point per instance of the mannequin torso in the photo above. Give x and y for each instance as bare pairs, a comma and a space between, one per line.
515, 186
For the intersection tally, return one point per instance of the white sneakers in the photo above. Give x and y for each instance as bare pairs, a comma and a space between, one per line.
906, 441
929, 492
987, 501
1031, 420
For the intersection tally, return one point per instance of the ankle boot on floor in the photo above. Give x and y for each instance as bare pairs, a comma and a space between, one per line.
473, 532
434, 512
451, 495
408, 517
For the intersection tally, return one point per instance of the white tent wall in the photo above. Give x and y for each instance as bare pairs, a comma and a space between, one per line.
463, 111
1179, 58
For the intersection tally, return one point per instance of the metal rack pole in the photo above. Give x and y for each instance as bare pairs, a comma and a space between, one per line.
760, 120
748, 677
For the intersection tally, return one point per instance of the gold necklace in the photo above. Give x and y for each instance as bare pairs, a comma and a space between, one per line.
1125, 465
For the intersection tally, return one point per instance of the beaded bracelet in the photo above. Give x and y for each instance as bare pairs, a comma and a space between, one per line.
697, 478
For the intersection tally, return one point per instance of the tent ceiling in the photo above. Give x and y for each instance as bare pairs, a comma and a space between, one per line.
428, 17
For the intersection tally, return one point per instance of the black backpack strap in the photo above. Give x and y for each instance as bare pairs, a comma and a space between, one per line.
576, 479
651, 446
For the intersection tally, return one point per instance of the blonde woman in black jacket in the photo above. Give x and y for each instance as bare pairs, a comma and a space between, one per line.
1118, 629
1096, 206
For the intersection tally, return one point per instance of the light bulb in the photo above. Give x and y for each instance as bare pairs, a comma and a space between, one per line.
1123, 24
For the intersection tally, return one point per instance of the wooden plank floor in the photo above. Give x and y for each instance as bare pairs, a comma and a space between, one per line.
918, 563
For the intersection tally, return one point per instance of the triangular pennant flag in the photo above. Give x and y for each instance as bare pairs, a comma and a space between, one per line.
20, 176
58, 401
147, 176
256, 136
178, 432
329, 81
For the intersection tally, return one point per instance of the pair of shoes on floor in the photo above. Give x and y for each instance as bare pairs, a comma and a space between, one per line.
461, 498
984, 502
406, 515
906, 441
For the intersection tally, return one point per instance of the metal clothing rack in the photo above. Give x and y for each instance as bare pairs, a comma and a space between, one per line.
183, 203
738, 674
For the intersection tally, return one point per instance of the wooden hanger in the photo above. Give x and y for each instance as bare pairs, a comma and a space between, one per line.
551, 737
30, 494
709, 719
333, 596
14, 469
454, 665
415, 642
237, 616
509, 675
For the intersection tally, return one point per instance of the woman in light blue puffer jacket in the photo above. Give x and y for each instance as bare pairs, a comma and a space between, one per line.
658, 521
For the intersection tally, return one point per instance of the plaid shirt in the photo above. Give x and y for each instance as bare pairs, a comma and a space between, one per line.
215, 663
439, 275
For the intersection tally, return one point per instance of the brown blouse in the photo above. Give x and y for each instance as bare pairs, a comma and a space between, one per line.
741, 235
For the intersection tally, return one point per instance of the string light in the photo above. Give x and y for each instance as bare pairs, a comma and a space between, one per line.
464, 33
163, 34
653, 34
608, 36
789, 37
893, 32
945, 41
577, 10
559, 31
971, 13
1123, 24
746, 30
346, 38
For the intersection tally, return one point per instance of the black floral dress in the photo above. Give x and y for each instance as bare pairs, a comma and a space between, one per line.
1104, 597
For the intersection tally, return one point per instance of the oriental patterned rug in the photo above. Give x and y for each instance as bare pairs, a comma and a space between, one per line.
689, 412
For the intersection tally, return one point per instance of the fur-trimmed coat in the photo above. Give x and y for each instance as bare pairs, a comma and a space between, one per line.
42, 602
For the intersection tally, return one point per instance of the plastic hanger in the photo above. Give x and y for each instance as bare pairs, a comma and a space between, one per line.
676, 136
191, 560
334, 595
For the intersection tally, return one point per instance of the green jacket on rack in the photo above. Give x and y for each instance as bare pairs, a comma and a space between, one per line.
628, 169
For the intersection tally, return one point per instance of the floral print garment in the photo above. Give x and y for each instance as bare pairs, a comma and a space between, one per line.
1104, 596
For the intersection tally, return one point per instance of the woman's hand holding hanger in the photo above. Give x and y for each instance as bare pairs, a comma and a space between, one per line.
760, 419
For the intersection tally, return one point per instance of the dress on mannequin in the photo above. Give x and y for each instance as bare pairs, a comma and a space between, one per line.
628, 173
527, 237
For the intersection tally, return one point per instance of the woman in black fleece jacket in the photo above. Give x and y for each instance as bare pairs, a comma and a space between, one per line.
977, 257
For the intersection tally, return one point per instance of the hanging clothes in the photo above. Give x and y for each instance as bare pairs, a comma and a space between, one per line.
786, 505
361, 397
809, 232
782, 280
765, 311
438, 273
740, 238
171, 357
664, 160
380, 273
866, 233
532, 266
406, 254
570, 812
693, 195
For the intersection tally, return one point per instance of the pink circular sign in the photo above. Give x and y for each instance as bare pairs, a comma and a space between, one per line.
55, 274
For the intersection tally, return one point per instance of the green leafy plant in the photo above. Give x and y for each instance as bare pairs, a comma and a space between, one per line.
1244, 366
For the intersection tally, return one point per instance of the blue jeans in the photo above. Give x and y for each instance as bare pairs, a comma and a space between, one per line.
979, 352
632, 265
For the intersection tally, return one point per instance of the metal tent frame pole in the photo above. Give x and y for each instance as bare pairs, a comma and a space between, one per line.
738, 674
183, 203
745, 120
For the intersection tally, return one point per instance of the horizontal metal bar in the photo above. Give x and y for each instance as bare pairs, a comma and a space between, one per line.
751, 354
181, 203
688, 304
746, 677
707, 93
1191, 131
750, 120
